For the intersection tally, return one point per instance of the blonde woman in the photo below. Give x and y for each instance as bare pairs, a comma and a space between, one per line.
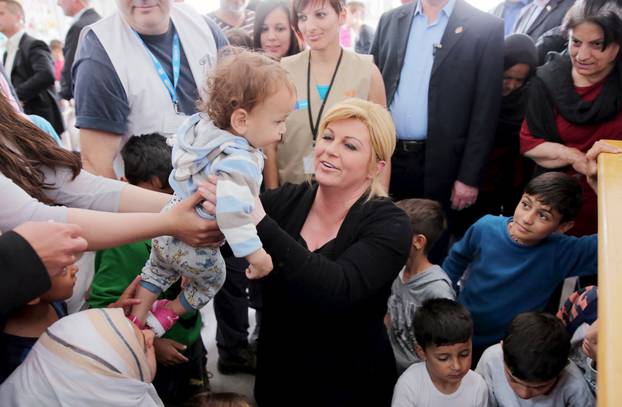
337, 245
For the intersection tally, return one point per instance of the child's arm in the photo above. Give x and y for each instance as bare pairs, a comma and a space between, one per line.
260, 264
460, 256
239, 177
578, 256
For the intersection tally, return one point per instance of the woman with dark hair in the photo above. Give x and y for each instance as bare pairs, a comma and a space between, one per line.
576, 99
41, 181
273, 32
506, 172
324, 74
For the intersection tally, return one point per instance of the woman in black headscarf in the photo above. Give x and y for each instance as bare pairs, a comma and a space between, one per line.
504, 177
576, 99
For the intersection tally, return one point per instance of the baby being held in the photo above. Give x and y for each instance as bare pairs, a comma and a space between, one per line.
248, 98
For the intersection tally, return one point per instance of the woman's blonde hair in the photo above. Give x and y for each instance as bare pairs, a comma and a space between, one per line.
381, 133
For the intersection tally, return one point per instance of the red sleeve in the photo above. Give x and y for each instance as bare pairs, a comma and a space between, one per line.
527, 140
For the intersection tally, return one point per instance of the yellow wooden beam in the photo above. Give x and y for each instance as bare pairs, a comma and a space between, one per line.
610, 279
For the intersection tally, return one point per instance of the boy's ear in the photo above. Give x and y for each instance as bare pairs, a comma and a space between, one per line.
419, 241
566, 226
420, 352
239, 121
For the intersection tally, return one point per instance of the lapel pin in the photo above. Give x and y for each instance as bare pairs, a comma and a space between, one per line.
459, 30
549, 8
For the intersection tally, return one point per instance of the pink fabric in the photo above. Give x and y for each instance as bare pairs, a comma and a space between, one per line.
58, 68
6, 91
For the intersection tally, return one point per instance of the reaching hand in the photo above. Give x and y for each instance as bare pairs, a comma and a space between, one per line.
127, 298
208, 191
191, 228
577, 159
58, 245
592, 163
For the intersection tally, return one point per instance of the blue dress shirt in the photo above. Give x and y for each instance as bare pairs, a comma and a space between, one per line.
410, 103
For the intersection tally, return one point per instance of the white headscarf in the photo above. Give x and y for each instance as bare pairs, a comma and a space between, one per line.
92, 358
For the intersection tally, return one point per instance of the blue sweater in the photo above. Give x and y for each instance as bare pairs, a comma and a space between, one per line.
505, 279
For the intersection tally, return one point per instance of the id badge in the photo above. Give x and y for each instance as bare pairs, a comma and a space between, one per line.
308, 164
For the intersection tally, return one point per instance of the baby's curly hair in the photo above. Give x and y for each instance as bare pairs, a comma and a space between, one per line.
241, 80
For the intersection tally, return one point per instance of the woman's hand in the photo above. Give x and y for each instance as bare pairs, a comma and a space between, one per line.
592, 160
58, 245
208, 191
127, 300
577, 159
190, 228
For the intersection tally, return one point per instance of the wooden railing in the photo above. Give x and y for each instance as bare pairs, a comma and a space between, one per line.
610, 279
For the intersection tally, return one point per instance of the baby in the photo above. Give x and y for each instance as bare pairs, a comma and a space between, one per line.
249, 97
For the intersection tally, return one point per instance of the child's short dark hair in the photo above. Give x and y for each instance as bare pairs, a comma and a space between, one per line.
241, 80
536, 347
147, 156
427, 218
560, 191
441, 322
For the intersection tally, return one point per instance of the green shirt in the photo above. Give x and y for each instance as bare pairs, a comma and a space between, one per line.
116, 268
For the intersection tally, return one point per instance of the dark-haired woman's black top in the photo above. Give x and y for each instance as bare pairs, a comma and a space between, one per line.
322, 340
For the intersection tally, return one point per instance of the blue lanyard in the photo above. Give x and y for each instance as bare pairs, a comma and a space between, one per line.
171, 87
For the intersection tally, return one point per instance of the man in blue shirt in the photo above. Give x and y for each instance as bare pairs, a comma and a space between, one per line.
442, 65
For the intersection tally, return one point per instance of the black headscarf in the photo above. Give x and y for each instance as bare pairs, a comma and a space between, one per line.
552, 90
519, 49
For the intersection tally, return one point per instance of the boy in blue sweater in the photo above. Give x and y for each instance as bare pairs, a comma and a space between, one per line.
514, 264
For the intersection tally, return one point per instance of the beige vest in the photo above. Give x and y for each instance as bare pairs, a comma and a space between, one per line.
352, 80
151, 108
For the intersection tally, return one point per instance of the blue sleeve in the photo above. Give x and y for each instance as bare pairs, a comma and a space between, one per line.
238, 185
460, 256
101, 102
219, 36
577, 256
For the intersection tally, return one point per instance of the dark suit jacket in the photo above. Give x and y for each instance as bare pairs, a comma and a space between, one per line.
365, 37
33, 79
24, 276
549, 18
464, 95
89, 17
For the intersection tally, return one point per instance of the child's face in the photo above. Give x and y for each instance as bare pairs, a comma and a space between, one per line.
265, 124
447, 364
527, 390
534, 221
62, 285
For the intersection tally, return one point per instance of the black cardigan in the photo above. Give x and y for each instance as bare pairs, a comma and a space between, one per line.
322, 340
